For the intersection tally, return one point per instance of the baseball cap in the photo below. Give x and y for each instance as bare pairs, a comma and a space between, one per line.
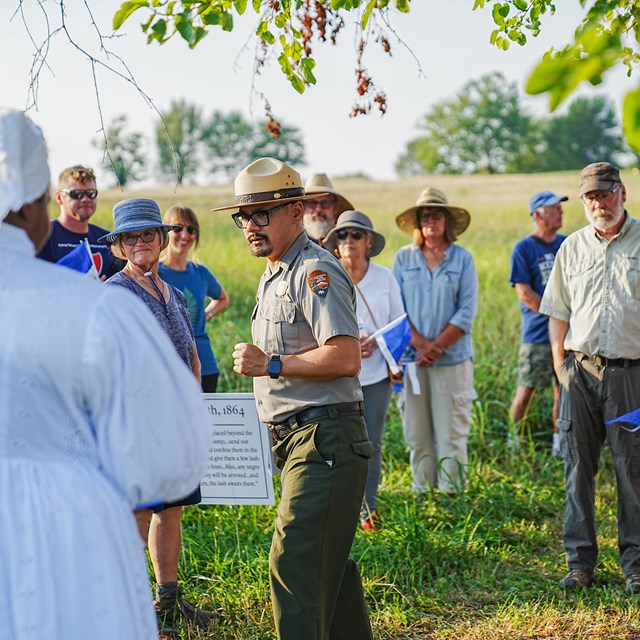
598, 176
543, 199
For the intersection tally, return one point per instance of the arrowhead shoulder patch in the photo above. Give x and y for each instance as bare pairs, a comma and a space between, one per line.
318, 282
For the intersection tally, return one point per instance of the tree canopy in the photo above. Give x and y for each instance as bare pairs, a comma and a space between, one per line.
485, 129
608, 35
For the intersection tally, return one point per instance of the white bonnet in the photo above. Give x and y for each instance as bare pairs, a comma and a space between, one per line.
24, 170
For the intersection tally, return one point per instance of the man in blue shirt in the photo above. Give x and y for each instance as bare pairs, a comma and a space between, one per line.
531, 263
77, 196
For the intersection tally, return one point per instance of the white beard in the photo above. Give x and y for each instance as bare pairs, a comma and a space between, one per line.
317, 229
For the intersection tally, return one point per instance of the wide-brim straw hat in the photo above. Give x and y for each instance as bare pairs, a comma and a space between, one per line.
430, 197
136, 214
319, 183
264, 181
354, 220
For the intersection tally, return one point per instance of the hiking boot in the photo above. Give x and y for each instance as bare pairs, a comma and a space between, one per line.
578, 578
369, 522
633, 584
172, 608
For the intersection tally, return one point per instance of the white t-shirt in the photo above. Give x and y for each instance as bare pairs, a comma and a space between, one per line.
382, 292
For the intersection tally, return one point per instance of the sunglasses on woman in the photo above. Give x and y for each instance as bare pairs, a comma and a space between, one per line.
191, 229
78, 194
342, 234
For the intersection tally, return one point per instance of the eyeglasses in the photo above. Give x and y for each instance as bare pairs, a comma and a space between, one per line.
424, 216
78, 194
191, 229
260, 217
355, 234
323, 203
147, 236
600, 197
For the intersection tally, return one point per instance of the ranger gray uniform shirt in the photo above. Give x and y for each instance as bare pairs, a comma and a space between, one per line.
307, 300
595, 287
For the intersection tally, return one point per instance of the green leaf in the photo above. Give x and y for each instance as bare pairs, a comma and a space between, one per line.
240, 6
227, 21
126, 9
631, 119
402, 5
184, 26
211, 16
366, 14
280, 20
521, 5
256, 5
307, 66
159, 28
297, 83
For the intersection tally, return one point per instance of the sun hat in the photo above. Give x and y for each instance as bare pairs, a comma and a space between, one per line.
598, 176
354, 220
136, 214
431, 197
319, 183
266, 180
544, 199
24, 170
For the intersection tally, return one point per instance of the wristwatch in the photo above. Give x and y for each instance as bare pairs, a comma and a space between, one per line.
274, 367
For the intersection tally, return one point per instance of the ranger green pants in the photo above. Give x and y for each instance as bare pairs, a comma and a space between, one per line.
315, 587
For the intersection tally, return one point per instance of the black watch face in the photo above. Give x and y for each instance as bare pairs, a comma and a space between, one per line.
274, 368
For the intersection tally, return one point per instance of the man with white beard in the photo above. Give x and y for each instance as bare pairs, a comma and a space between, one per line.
321, 212
592, 300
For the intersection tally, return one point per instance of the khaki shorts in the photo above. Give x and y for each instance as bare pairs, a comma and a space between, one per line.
535, 365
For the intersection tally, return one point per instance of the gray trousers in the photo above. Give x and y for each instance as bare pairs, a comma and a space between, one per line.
316, 591
376, 402
592, 395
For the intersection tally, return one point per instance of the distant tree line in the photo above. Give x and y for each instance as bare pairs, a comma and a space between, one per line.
485, 129
190, 145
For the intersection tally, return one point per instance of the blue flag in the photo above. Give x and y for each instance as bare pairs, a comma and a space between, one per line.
80, 259
392, 340
629, 421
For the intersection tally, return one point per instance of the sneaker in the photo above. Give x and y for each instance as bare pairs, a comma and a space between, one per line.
578, 578
172, 608
633, 584
370, 522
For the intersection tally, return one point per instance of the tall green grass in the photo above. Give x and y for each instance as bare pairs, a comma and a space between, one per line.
483, 565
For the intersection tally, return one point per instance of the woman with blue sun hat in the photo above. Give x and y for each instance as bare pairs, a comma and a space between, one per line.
138, 237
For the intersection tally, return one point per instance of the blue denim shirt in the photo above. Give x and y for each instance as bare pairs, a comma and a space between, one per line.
433, 300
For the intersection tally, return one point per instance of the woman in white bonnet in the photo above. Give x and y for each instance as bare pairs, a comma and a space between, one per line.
75, 452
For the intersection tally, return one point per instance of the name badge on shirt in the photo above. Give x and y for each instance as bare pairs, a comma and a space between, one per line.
282, 288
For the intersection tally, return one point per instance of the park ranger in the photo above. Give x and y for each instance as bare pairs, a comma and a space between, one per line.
304, 360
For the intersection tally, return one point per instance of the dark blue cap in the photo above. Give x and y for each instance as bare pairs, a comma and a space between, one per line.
543, 199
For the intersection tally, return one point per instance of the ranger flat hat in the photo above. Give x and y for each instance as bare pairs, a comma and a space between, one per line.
264, 181
430, 197
354, 220
598, 176
319, 183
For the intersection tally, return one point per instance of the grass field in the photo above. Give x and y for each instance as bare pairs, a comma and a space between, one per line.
481, 566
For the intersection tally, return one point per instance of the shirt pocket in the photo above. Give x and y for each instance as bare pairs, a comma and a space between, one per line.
580, 279
280, 329
628, 277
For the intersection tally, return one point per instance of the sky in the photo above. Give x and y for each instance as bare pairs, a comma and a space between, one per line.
446, 44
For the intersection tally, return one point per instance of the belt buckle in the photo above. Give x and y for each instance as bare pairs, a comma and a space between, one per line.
599, 360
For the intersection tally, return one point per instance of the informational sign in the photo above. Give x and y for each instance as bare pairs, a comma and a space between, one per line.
240, 459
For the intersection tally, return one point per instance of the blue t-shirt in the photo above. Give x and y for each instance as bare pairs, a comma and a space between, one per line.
531, 263
197, 283
62, 241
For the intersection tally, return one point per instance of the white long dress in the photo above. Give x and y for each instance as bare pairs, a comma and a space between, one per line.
97, 414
